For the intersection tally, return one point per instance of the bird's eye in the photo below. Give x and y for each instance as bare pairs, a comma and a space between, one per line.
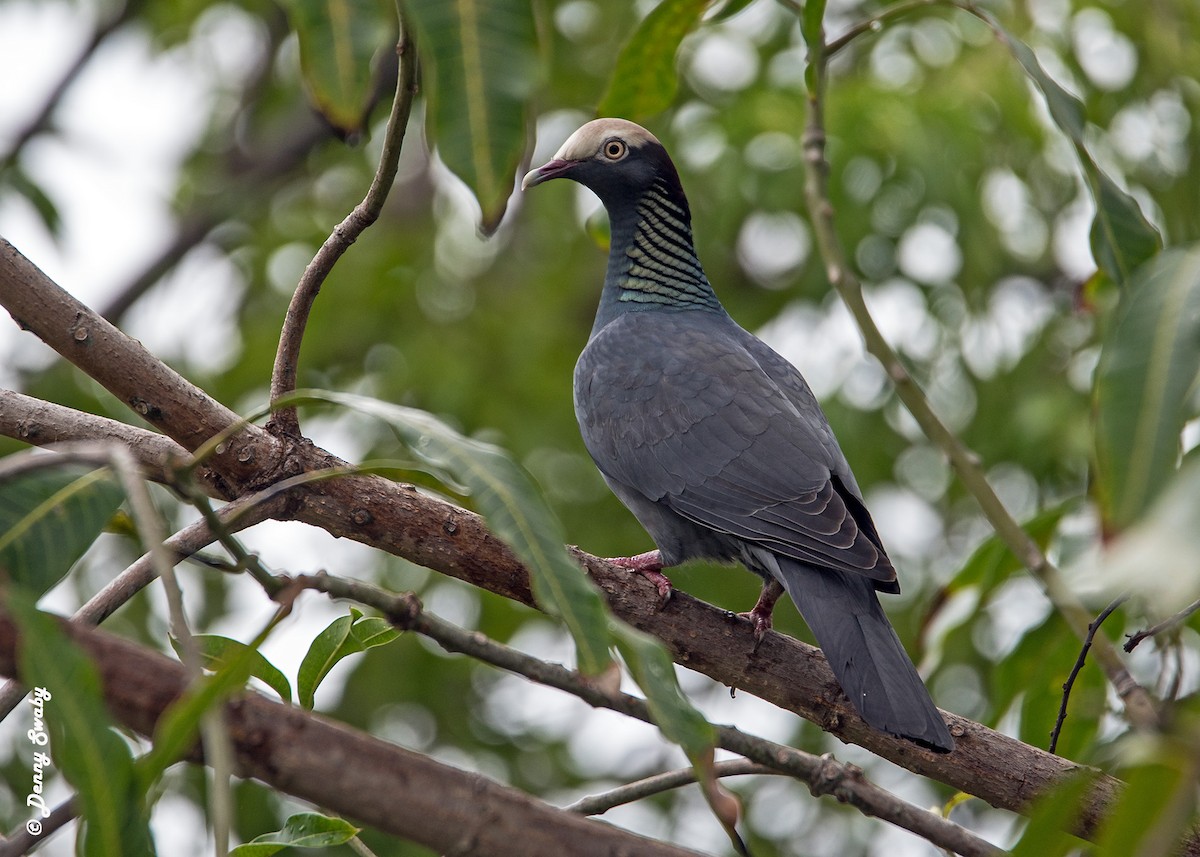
615, 149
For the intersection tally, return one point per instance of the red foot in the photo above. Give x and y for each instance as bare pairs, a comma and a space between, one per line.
649, 565
760, 615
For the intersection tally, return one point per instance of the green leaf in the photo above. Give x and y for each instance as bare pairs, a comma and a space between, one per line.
93, 757
1156, 806
1164, 541
339, 41
303, 830
515, 511
480, 64
1051, 815
20, 181
644, 81
1121, 236
177, 728
48, 519
810, 22
344, 636
654, 672
1148, 363
217, 652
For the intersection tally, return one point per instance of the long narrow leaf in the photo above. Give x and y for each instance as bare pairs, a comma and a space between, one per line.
1149, 361
1122, 237
48, 518
303, 830
217, 651
95, 760
339, 41
514, 508
479, 61
644, 81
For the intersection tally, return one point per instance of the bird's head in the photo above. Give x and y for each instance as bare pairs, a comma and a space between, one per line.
615, 159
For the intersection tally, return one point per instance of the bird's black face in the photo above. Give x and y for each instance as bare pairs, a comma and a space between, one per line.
615, 159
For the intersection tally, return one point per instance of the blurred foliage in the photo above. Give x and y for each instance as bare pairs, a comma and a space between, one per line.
965, 213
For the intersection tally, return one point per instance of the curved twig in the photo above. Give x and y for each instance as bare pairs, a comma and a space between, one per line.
1139, 707
287, 356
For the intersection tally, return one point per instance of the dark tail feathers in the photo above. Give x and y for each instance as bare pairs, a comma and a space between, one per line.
867, 657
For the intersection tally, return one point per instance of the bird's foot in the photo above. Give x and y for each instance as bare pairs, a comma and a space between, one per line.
650, 566
760, 615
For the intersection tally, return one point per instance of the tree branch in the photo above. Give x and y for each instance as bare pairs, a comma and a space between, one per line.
1139, 707
824, 775
317, 760
396, 518
287, 357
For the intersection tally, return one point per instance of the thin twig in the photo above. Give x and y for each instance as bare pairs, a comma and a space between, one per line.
824, 775
875, 23
601, 803
41, 121
1069, 684
23, 840
287, 357
1139, 708
1170, 622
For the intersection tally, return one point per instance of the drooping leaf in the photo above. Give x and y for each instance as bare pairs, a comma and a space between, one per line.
1149, 361
48, 518
344, 636
339, 43
1158, 557
811, 20
1051, 815
1122, 238
678, 720
177, 728
654, 672
92, 756
19, 180
480, 66
644, 81
303, 830
217, 652
1157, 805
515, 511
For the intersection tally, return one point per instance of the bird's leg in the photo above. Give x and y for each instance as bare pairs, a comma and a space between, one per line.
760, 615
650, 566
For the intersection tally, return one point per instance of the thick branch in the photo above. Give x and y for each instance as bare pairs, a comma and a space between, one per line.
379, 784
823, 775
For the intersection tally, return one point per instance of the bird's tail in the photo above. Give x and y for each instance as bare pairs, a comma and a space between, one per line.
867, 657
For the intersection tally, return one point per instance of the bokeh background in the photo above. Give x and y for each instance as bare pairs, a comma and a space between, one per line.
181, 183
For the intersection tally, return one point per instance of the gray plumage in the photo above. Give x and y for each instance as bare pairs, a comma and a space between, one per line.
716, 443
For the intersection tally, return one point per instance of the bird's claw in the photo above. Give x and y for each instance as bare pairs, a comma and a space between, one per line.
761, 620
649, 565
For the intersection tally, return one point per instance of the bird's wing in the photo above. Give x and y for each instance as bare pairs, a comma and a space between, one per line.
690, 419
